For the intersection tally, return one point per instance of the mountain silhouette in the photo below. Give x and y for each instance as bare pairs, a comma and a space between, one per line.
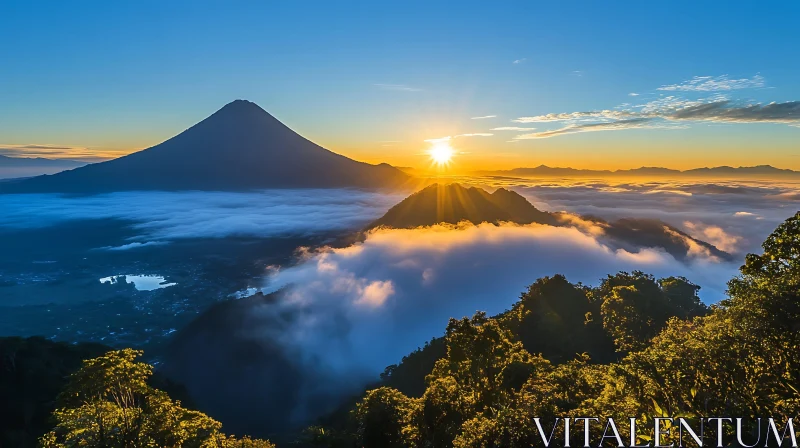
454, 203
240, 146
760, 171
11, 167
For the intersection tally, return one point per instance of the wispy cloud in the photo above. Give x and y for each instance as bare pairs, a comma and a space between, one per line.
519, 61
511, 128
134, 245
484, 117
168, 216
788, 112
600, 114
715, 83
398, 87
664, 112
633, 94
477, 134
634, 123
77, 153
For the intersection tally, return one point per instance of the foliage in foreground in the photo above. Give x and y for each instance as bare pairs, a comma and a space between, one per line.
32, 373
675, 359
109, 403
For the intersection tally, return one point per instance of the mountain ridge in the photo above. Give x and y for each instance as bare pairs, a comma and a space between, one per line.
16, 167
717, 171
238, 147
453, 203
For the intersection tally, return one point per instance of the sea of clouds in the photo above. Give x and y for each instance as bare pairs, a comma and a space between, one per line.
160, 217
398, 288
359, 308
734, 216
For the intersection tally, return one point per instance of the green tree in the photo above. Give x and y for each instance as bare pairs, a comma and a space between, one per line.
383, 416
108, 403
635, 307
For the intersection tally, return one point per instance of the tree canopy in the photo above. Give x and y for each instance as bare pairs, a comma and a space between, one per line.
108, 403
632, 346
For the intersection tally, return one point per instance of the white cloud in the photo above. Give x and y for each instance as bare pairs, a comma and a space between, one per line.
717, 108
715, 83
702, 201
715, 235
658, 114
439, 139
478, 134
634, 123
519, 61
164, 216
484, 117
65, 152
134, 245
511, 128
379, 286
571, 116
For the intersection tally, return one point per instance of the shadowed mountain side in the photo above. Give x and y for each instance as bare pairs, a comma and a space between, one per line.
235, 362
220, 364
454, 203
632, 234
239, 147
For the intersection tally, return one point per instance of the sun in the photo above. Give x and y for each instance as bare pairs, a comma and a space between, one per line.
441, 153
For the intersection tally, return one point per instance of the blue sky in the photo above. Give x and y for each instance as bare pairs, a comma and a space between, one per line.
374, 81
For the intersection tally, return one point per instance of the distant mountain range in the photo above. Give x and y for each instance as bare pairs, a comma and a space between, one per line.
239, 147
454, 203
763, 171
14, 167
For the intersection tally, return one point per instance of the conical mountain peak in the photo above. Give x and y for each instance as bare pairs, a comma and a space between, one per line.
241, 107
240, 146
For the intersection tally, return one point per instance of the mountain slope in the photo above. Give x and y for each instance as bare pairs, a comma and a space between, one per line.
240, 146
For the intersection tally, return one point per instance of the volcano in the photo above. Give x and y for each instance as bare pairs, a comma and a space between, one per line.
239, 147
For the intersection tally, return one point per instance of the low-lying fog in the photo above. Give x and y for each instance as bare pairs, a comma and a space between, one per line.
160, 217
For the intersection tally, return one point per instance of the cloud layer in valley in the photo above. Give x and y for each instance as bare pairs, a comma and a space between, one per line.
736, 217
398, 288
343, 314
164, 216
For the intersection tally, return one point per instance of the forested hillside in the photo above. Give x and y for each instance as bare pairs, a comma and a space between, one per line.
632, 347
